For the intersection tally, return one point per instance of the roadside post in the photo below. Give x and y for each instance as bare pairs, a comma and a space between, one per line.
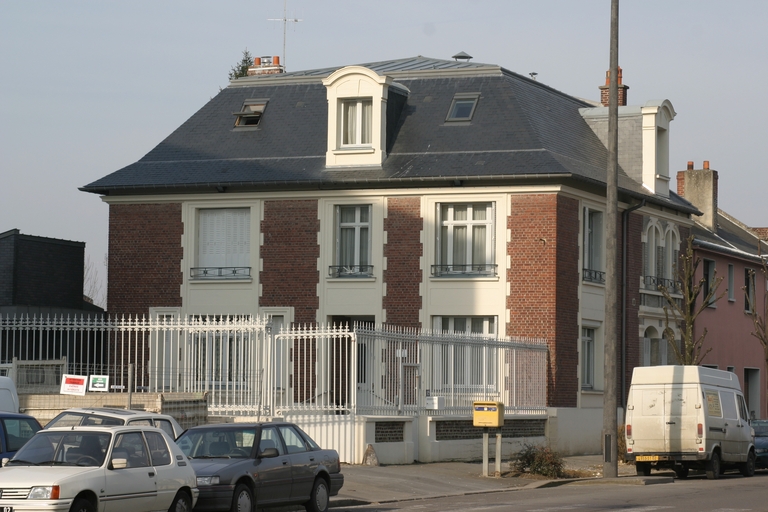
489, 415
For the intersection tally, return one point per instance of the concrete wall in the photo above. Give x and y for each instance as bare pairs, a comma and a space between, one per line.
572, 431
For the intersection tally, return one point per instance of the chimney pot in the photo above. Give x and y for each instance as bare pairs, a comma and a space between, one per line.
706, 164
276, 60
690, 165
257, 61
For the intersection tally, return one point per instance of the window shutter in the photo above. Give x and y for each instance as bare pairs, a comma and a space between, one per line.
646, 352
659, 261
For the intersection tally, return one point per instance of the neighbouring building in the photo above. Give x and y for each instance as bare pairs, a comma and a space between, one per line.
731, 251
437, 194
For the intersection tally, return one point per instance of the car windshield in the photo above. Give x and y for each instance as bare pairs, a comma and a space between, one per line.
73, 419
216, 442
761, 428
63, 448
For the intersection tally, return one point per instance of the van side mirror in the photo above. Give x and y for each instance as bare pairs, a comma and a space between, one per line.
4, 462
119, 463
269, 453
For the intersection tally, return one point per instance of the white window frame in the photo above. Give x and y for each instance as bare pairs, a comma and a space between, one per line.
360, 122
451, 224
588, 358
593, 244
709, 271
353, 268
223, 243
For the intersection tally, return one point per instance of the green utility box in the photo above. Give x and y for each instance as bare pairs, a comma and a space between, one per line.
488, 414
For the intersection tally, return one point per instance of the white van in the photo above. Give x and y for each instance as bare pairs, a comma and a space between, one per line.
683, 417
9, 399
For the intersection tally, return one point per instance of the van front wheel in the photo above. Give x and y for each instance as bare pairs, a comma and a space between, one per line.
712, 467
748, 468
643, 468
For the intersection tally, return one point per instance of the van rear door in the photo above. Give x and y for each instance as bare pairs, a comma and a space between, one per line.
680, 418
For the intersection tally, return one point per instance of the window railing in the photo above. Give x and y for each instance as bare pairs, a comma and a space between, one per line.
653, 283
593, 276
350, 270
220, 272
482, 269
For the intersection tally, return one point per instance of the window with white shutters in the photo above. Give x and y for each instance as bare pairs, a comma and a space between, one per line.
223, 244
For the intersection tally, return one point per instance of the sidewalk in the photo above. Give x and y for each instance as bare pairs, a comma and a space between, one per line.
386, 484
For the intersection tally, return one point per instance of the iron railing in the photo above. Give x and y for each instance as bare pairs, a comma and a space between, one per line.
593, 276
220, 272
473, 270
654, 282
350, 270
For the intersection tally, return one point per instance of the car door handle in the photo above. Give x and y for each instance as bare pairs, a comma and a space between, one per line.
151, 473
311, 459
285, 463
670, 423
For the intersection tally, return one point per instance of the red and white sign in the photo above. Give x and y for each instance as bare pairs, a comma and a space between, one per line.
73, 384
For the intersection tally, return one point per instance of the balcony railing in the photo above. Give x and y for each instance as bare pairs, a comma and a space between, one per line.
653, 283
474, 270
593, 276
350, 270
220, 272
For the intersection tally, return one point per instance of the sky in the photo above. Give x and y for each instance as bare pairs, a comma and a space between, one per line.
88, 87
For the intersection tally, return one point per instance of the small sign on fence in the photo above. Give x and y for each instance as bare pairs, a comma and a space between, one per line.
73, 385
98, 383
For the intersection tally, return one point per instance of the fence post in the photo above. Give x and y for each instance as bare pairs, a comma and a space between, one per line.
130, 385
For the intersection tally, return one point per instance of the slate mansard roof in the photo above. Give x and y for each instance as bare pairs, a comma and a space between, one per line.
521, 130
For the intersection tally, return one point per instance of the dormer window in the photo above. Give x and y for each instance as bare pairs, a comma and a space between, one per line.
356, 122
250, 114
463, 107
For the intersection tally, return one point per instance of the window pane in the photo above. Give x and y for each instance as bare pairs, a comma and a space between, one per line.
158, 450
364, 213
478, 245
349, 122
293, 441
477, 325
347, 247
459, 212
348, 214
460, 245
462, 109
365, 136
479, 212
364, 259
459, 324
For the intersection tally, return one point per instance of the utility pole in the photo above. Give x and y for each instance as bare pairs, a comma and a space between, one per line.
285, 19
610, 459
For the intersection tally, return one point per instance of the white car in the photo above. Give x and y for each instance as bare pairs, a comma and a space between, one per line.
90, 469
113, 416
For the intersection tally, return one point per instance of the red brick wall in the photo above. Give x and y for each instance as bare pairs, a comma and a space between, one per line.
144, 257
403, 249
634, 271
289, 257
544, 283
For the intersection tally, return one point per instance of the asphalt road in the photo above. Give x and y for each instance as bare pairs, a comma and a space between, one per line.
731, 493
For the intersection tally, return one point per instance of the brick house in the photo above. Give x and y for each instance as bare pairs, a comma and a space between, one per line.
420, 192
729, 250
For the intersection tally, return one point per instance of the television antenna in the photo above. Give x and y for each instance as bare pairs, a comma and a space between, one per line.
285, 19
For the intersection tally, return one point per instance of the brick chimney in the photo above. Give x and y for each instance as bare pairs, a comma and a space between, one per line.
604, 90
699, 186
266, 66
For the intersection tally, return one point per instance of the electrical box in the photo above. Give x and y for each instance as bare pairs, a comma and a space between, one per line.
435, 402
488, 414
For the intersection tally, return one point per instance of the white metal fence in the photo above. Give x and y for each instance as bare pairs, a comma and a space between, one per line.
247, 370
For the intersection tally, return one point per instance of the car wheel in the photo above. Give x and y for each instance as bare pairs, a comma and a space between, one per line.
242, 501
712, 467
748, 468
82, 505
643, 468
318, 500
681, 472
181, 503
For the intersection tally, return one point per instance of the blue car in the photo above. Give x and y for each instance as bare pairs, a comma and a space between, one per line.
15, 431
761, 442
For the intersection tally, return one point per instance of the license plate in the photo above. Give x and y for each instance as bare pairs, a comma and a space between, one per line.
647, 458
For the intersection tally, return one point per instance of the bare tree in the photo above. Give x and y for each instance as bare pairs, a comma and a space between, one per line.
758, 317
92, 284
683, 313
240, 69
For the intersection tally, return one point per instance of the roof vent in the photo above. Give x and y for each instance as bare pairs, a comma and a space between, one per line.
461, 56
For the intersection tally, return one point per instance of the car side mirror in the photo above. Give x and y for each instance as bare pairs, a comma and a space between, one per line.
119, 463
269, 453
4, 462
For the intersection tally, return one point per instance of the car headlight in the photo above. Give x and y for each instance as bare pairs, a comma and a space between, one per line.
761, 450
207, 480
50, 492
